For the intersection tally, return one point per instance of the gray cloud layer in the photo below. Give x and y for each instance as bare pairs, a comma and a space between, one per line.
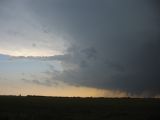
114, 44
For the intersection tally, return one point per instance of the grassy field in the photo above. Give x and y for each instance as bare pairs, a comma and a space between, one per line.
63, 108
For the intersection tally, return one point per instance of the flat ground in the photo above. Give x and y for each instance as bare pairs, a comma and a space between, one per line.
63, 108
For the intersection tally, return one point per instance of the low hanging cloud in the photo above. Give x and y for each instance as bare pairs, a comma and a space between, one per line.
112, 44
137, 75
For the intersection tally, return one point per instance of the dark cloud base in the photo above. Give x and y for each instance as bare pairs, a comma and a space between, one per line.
114, 44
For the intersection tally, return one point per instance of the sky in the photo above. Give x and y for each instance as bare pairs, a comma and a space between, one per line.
98, 48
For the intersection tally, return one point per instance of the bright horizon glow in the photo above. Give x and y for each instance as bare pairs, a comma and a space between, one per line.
62, 90
34, 53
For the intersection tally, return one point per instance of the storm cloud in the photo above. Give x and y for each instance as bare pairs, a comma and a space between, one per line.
109, 44
112, 44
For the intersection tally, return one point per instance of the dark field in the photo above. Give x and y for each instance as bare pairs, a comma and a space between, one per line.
63, 108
